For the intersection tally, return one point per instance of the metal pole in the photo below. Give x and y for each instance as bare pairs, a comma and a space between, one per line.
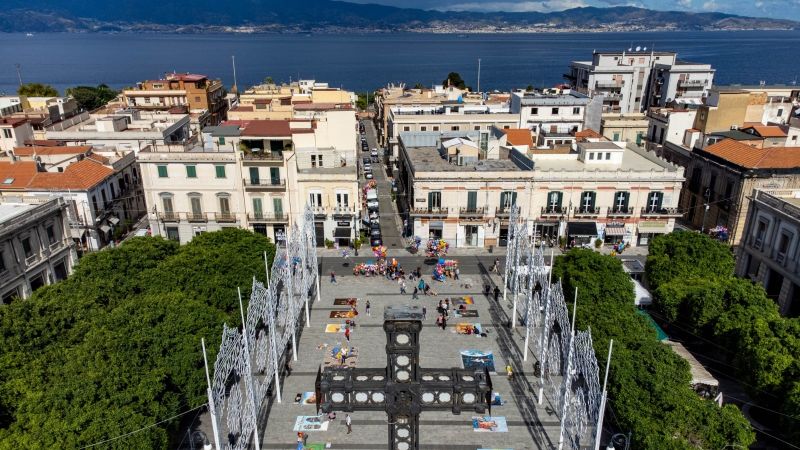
235, 84
479, 75
266, 267
249, 377
600, 417
211, 408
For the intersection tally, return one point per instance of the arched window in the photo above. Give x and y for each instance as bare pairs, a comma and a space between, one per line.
654, 201
587, 201
621, 201
554, 199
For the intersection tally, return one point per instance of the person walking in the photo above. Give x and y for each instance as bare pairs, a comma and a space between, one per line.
424, 313
496, 266
421, 284
496, 293
347, 333
456, 273
367, 306
414, 296
402, 286
509, 372
333, 277
344, 354
348, 423
487, 290
439, 321
444, 322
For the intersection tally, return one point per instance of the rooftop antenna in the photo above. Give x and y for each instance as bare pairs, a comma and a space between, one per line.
479, 75
19, 73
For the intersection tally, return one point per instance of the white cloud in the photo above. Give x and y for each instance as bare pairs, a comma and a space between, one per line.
686, 4
523, 6
710, 5
759, 5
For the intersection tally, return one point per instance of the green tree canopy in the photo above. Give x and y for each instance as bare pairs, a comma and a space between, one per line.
454, 79
649, 385
37, 90
91, 98
115, 347
683, 254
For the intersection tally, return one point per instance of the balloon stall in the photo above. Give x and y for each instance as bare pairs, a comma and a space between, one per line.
379, 251
444, 268
415, 245
437, 247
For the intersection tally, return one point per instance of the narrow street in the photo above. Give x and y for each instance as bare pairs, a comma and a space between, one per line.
391, 223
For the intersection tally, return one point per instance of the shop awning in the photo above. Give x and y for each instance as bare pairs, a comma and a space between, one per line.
435, 226
653, 226
105, 228
113, 220
582, 228
615, 231
340, 232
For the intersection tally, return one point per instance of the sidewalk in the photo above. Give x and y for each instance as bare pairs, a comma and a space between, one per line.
473, 251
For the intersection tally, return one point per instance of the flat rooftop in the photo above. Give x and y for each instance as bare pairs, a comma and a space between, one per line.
10, 210
631, 160
428, 159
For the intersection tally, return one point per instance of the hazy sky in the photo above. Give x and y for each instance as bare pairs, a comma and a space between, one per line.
784, 9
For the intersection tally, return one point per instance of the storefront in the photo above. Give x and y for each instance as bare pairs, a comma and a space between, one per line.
650, 229
342, 232
502, 237
614, 233
547, 231
581, 233
435, 230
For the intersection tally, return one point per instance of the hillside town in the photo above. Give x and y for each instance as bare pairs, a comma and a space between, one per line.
630, 147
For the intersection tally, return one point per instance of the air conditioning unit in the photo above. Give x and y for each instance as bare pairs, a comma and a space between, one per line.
734, 127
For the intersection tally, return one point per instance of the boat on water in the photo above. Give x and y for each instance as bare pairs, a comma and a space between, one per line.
28, 34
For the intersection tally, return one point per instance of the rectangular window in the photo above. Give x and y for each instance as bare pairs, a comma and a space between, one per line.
406, 128
591, 155
224, 205
472, 200
2, 263
616, 136
508, 199
576, 110
435, 128
608, 156
277, 206
555, 110
255, 180
26, 247
173, 235
258, 210
275, 176
162, 171
477, 127
342, 199
167, 203
197, 207
221, 140
454, 128
423, 128
220, 171
780, 112
434, 199
315, 198
6, 133
51, 234
191, 171
534, 111
313, 161
783, 246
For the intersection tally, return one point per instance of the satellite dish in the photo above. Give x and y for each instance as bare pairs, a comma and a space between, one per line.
630, 49
644, 49
638, 48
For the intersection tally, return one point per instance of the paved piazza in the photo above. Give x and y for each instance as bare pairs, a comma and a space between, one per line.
439, 349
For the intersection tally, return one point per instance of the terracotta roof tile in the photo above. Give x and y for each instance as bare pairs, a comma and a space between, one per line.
588, 133
267, 128
322, 106
767, 131
19, 174
81, 175
52, 150
749, 157
519, 136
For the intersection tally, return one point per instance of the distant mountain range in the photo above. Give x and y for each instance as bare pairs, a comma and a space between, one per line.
330, 15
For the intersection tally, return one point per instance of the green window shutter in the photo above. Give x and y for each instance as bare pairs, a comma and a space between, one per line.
220, 171
277, 206
162, 171
191, 171
472, 200
257, 209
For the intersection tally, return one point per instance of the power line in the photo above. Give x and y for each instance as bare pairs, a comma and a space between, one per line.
143, 428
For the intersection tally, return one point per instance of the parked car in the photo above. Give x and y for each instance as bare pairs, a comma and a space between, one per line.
373, 152
375, 242
365, 160
368, 175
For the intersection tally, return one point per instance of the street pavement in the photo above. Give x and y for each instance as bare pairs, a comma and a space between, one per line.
391, 224
530, 426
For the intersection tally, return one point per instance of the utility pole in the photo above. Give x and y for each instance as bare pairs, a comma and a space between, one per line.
706, 206
235, 84
19, 73
479, 75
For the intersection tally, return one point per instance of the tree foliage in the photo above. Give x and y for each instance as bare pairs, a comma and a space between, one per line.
454, 79
91, 98
37, 90
649, 385
116, 346
698, 296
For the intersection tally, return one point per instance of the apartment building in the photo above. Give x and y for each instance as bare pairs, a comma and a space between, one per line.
180, 92
259, 175
14, 132
631, 81
723, 174
769, 253
549, 114
446, 116
625, 127
102, 189
597, 190
125, 129
36, 248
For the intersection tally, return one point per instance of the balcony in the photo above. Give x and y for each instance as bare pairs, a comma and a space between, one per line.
267, 217
197, 217
692, 83
320, 212
29, 260
587, 211
608, 85
169, 217
269, 158
264, 185
474, 213
224, 217
502, 212
660, 212
430, 212
780, 258
55, 246
342, 210
620, 212
553, 211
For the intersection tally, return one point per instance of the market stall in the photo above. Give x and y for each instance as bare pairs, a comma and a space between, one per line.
438, 248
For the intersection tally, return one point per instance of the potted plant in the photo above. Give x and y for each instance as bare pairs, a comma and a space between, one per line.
598, 243
357, 244
328, 243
